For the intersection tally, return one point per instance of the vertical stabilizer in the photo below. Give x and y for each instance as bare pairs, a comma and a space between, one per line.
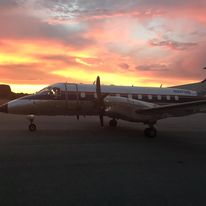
199, 87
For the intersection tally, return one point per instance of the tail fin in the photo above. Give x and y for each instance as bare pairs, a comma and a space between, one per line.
199, 87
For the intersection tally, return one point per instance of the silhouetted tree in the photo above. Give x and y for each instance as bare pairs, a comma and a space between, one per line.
5, 91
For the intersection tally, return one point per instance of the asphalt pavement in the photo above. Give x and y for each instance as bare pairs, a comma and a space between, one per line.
70, 162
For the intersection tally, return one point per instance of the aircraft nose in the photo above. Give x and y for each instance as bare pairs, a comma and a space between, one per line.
4, 108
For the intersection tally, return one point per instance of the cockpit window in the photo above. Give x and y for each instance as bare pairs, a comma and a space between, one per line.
51, 91
55, 92
44, 91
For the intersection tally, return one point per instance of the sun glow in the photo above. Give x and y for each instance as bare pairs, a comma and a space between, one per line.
145, 47
12, 59
26, 88
83, 76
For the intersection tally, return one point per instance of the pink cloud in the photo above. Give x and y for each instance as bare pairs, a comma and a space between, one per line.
149, 39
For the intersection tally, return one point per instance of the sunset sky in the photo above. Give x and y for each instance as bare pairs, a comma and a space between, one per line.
126, 42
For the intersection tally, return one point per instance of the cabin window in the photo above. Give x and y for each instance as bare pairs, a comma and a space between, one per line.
176, 98
130, 96
159, 97
139, 96
117, 95
168, 97
149, 97
95, 95
82, 94
55, 92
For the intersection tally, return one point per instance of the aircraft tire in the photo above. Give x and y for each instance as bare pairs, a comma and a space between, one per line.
150, 132
113, 123
32, 127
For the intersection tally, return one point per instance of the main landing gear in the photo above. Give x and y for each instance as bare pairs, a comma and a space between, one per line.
113, 123
32, 126
150, 132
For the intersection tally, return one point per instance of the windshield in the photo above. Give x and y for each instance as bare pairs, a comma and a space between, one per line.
46, 90
51, 91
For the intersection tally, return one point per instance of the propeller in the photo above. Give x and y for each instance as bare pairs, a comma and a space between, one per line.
100, 101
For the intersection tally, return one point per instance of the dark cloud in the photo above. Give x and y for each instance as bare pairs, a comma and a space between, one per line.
174, 3
23, 26
58, 58
172, 44
87, 9
7, 4
124, 66
152, 67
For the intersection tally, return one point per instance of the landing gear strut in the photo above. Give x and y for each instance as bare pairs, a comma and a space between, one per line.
150, 132
113, 123
32, 126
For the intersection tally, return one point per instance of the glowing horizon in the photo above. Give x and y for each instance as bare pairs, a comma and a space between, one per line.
130, 43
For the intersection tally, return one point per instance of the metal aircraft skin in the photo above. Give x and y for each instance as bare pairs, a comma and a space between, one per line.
135, 104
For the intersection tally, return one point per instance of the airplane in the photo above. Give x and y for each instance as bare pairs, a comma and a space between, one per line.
135, 104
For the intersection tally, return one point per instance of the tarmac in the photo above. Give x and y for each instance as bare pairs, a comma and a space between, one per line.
70, 162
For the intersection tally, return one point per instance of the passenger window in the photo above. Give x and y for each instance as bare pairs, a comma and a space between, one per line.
117, 95
159, 97
176, 98
130, 96
168, 97
150, 97
82, 94
95, 95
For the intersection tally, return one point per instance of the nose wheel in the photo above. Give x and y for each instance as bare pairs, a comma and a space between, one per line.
150, 132
32, 127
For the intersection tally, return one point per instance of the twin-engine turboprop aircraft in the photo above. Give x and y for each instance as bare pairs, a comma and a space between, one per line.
135, 104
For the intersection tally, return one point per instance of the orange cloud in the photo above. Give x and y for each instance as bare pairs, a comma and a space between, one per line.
139, 44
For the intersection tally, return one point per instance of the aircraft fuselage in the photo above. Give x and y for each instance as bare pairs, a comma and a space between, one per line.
80, 99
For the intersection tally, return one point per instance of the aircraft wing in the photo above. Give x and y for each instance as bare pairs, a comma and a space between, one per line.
141, 111
175, 110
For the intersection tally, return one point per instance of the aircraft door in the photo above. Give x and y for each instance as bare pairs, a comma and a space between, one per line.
72, 99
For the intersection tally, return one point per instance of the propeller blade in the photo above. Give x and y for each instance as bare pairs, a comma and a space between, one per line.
98, 87
100, 101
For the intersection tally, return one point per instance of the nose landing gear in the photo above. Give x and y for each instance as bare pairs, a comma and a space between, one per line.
32, 127
150, 132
